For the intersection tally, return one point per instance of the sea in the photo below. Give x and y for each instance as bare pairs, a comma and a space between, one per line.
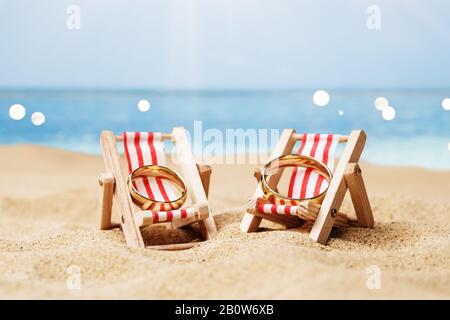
418, 136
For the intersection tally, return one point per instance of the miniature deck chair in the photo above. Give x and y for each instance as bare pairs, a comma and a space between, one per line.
146, 148
307, 183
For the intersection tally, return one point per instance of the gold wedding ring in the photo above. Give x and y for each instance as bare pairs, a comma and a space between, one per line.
155, 171
293, 160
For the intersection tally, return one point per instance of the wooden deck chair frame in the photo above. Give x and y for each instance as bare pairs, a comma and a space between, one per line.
113, 188
346, 176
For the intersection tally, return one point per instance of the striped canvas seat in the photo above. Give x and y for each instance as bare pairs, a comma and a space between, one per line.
147, 148
306, 183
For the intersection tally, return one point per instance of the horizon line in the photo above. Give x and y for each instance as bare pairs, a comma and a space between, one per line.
218, 89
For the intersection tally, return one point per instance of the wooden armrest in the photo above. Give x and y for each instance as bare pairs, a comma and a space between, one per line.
257, 173
190, 172
204, 168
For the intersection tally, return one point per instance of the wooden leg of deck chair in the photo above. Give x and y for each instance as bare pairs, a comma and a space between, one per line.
208, 227
194, 182
107, 182
358, 193
337, 188
122, 198
251, 222
205, 174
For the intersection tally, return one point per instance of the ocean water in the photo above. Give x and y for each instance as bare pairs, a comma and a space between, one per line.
418, 136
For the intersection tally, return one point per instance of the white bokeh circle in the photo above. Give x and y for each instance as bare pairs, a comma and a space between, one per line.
38, 118
144, 105
381, 103
388, 113
321, 98
17, 112
446, 104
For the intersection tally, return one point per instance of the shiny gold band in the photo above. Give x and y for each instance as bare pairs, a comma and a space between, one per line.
151, 204
293, 160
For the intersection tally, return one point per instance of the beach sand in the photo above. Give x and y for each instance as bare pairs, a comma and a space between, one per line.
48, 222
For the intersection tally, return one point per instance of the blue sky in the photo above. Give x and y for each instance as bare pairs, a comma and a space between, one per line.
239, 44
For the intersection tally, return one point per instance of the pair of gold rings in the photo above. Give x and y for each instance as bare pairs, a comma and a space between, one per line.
155, 171
271, 168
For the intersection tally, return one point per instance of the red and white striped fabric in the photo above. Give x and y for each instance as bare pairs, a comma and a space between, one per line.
165, 216
147, 148
278, 209
307, 183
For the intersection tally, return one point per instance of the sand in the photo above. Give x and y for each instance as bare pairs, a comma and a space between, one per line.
48, 228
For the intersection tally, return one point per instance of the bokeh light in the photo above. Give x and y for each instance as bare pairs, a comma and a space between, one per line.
321, 98
381, 103
388, 113
17, 112
341, 112
144, 105
38, 118
446, 104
